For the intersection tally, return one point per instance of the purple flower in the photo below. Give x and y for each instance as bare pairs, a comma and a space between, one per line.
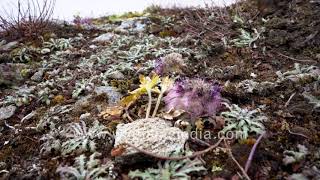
82, 21
195, 96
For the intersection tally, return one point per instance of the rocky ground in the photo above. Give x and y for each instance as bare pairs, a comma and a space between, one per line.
74, 103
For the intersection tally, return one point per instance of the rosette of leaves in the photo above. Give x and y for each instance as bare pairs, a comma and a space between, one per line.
243, 121
57, 44
85, 169
170, 169
81, 139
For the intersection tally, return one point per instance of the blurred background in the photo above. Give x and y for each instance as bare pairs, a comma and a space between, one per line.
67, 9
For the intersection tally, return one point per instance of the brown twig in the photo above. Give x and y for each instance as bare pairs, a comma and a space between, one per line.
294, 59
297, 134
198, 153
253, 150
290, 98
128, 115
244, 173
200, 142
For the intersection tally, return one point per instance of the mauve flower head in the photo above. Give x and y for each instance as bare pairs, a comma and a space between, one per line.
195, 96
82, 21
171, 63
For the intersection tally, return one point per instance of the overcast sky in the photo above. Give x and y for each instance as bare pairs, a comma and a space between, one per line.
66, 9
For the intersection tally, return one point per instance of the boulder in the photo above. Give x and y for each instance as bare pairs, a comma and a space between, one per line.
154, 135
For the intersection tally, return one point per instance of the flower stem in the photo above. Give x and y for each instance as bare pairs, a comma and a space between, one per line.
157, 105
149, 104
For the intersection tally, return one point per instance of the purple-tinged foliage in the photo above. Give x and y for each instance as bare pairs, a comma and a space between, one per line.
195, 96
159, 66
82, 21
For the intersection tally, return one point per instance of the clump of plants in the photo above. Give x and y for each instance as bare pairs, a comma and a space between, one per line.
170, 169
243, 121
147, 86
85, 168
312, 100
299, 73
32, 20
80, 138
81, 86
295, 156
196, 97
57, 44
53, 116
246, 38
24, 54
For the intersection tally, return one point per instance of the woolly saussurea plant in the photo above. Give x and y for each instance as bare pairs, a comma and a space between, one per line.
87, 168
196, 97
170, 169
243, 121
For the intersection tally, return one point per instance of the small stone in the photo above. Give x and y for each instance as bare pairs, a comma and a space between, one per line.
178, 29
7, 112
139, 27
45, 51
38, 75
104, 37
154, 28
113, 95
9, 46
85, 116
126, 24
93, 47
116, 75
154, 135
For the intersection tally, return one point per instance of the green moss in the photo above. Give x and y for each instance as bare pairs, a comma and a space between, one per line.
167, 33
127, 15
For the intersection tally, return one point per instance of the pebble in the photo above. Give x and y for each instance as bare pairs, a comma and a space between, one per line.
7, 112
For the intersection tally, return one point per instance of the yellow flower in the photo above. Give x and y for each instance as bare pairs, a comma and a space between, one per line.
166, 84
147, 84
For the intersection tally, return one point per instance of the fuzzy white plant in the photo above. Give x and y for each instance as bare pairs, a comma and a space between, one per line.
312, 100
51, 142
299, 73
246, 38
295, 156
170, 170
80, 138
243, 121
81, 86
57, 44
85, 169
